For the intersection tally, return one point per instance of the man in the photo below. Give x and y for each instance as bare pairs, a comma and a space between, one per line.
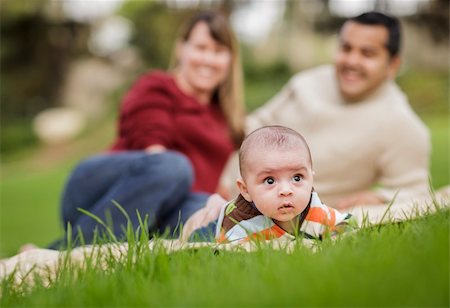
368, 144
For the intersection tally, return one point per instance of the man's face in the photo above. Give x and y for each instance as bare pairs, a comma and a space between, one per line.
363, 62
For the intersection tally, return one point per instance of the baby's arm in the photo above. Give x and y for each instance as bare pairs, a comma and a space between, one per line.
204, 216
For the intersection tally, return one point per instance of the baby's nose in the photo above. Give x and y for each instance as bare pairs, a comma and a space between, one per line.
285, 189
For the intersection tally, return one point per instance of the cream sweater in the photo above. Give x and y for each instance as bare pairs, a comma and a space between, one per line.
378, 142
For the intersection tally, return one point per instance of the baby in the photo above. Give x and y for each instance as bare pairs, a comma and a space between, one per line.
277, 197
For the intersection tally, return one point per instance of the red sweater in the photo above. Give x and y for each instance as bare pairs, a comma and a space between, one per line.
155, 111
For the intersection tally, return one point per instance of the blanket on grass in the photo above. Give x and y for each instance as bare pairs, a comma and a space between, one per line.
45, 263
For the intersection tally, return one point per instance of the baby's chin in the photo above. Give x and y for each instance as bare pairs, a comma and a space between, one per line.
286, 217
287, 214
288, 225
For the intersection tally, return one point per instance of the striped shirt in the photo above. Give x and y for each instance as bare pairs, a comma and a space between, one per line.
241, 221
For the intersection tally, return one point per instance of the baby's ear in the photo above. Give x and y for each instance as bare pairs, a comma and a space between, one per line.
243, 189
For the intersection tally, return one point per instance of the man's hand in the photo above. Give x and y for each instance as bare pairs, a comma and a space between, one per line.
360, 198
204, 216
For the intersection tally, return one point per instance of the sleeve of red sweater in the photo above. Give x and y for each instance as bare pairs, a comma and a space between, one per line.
146, 116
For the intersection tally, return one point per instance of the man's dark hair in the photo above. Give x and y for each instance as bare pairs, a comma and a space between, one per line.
389, 22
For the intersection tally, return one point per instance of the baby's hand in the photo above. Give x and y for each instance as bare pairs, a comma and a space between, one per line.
204, 216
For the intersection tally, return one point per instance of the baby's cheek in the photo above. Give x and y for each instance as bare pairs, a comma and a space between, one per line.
303, 203
265, 209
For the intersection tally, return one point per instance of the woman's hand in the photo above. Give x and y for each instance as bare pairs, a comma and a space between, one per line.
155, 148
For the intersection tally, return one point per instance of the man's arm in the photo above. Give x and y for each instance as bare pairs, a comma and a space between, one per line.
360, 198
403, 166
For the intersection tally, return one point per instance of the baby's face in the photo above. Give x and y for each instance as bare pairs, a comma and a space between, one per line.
279, 182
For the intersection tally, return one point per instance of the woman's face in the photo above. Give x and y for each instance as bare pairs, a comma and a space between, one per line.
203, 63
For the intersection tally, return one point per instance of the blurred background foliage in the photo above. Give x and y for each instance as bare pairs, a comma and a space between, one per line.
39, 42
52, 56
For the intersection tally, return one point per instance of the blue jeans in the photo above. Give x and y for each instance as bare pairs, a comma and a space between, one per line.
155, 185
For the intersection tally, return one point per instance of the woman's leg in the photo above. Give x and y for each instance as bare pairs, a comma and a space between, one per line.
176, 218
152, 184
90, 181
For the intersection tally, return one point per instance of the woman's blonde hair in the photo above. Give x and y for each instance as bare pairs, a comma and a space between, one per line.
229, 93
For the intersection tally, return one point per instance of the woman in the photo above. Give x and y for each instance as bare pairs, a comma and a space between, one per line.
176, 131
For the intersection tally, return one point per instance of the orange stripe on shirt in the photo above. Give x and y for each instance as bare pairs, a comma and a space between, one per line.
333, 217
222, 238
317, 214
267, 234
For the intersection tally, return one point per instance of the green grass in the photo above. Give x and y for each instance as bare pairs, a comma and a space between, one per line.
31, 186
29, 208
395, 265
440, 155
29, 197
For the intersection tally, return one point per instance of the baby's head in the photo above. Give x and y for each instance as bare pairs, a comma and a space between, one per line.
276, 173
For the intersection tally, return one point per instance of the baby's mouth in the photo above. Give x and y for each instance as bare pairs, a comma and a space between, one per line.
285, 206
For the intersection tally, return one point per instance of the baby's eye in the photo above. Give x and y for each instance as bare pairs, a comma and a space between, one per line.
297, 178
269, 180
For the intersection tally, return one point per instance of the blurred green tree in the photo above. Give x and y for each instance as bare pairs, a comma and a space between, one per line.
34, 53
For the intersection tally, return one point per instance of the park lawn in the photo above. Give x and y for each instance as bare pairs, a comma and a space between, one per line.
29, 197
403, 264
439, 126
31, 187
29, 208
